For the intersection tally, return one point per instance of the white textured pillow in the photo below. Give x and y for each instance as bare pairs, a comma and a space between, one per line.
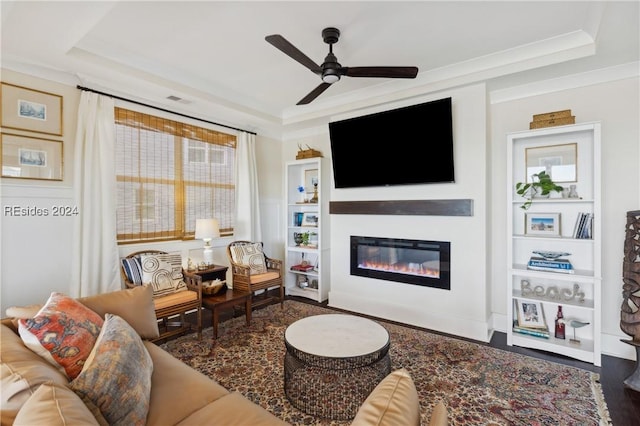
163, 272
250, 255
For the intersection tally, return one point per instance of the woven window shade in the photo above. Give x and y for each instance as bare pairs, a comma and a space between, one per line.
168, 175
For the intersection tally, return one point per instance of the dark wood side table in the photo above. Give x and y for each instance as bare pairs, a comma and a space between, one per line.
225, 298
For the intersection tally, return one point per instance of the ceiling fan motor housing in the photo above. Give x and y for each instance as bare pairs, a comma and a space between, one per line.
330, 35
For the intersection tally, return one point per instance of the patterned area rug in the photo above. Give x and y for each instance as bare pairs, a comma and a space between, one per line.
478, 384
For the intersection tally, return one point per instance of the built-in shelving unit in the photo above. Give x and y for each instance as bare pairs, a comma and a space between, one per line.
308, 216
579, 292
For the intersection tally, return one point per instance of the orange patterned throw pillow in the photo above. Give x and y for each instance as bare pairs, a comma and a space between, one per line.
63, 332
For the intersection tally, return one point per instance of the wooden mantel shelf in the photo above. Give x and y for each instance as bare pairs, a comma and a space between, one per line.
461, 207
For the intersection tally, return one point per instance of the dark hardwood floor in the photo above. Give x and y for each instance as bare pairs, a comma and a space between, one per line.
623, 403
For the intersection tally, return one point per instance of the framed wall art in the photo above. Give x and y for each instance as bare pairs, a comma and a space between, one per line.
559, 161
31, 110
26, 157
542, 224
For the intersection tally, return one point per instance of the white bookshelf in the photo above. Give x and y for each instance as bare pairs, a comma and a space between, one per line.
585, 254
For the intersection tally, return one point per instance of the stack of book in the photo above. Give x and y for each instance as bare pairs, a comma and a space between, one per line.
583, 228
563, 266
530, 319
531, 331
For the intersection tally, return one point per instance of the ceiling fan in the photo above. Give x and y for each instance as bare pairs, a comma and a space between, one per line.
331, 70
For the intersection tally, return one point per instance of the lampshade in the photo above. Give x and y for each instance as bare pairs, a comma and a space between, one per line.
207, 229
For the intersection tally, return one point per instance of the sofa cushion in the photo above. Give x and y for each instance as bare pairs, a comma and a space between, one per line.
63, 332
439, 415
394, 401
232, 409
163, 272
251, 255
22, 371
53, 404
165, 397
135, 306
28, 311
116, 377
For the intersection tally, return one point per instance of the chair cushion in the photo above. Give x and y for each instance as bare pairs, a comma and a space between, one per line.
63, 332
134, 305
251, 255
393, 402
132, 269
54, 404
174, 299
267, 276
163, 272
117, 375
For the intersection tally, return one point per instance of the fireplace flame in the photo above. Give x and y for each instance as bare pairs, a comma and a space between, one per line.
402, 268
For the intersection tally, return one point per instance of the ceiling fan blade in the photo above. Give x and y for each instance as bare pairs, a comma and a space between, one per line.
290, 50
314, 93
386, 72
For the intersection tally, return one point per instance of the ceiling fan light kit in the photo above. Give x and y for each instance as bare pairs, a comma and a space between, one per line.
331, 71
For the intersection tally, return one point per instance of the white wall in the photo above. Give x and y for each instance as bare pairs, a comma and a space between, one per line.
616, 105
36, 250
461, 310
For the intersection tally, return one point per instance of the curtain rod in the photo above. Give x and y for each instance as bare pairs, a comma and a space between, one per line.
162, 109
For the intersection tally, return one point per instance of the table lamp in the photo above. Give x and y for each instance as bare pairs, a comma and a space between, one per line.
206, 230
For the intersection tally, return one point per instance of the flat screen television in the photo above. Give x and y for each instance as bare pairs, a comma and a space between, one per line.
405, 146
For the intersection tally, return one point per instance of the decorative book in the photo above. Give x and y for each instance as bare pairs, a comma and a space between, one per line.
302, 268
553, 265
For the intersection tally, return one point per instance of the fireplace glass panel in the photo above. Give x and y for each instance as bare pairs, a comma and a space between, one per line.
418, 262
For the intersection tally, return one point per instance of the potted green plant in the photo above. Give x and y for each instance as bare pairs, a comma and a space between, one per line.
541, 185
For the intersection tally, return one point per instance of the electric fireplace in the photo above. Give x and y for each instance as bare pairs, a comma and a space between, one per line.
425, 263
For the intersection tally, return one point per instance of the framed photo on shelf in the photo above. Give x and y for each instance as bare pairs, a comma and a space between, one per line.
31, 110
28, 157
542, 224
559, 161
530, 314
310, 180
310, 219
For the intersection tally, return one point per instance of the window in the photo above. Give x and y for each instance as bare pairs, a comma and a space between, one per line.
168, 175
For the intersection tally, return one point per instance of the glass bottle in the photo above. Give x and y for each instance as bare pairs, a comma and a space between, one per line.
560, 326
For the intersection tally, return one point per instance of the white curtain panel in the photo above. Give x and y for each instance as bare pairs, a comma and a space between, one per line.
95, 258
247, 223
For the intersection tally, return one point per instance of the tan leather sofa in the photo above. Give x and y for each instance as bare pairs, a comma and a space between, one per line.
33, 391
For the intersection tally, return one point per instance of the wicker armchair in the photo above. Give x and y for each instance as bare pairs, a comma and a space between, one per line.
172, 305
243, 279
